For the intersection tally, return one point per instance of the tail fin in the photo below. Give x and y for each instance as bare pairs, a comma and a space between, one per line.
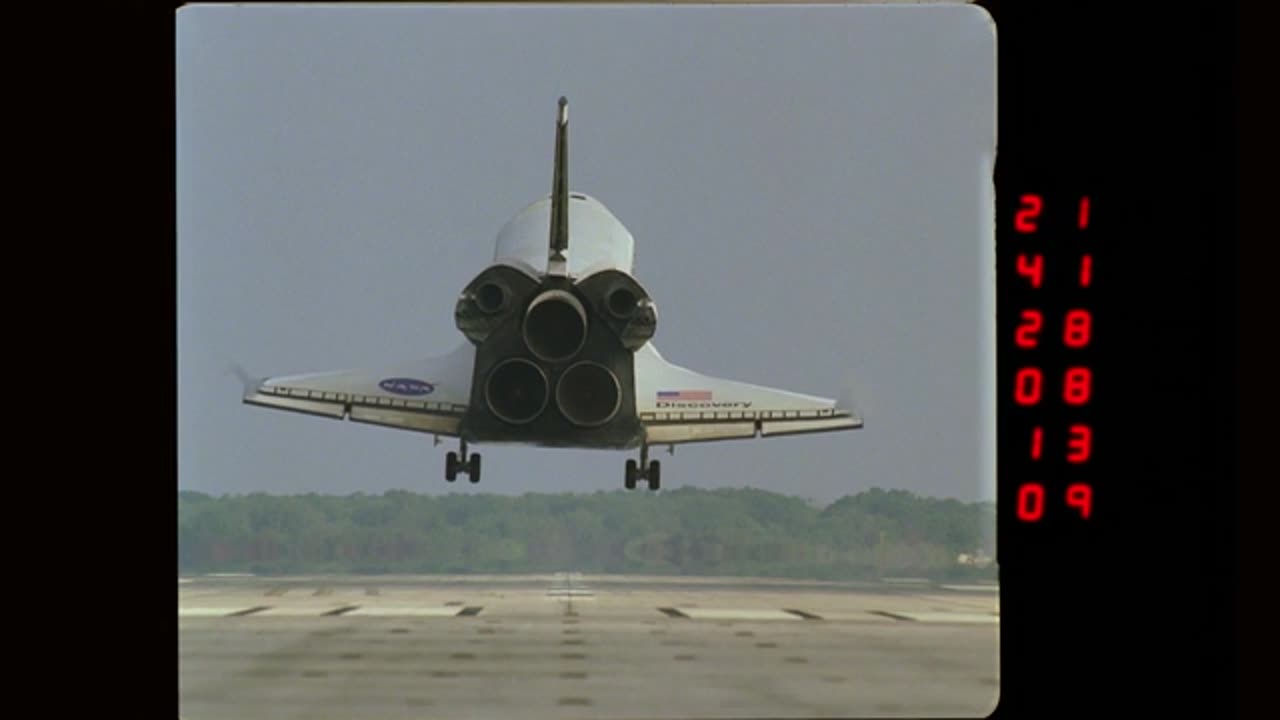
560, 195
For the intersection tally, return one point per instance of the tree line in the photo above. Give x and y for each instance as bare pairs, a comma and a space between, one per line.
685, 531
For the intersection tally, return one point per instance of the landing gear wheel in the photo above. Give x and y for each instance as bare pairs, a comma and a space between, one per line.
655, 474
631, 475
473, 468
451, 467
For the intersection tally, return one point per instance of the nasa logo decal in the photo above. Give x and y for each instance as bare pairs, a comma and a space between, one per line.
406, 386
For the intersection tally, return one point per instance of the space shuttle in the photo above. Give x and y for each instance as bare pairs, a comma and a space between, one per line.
557, 351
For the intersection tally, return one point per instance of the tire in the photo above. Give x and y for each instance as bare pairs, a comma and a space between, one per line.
473, 468
655, 475
630, 482
451, 467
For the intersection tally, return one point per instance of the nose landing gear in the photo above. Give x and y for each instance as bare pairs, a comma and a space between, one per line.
645, 470
453, 464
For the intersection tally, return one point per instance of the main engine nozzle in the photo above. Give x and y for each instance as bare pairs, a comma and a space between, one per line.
516, 391
589, 394
555, 325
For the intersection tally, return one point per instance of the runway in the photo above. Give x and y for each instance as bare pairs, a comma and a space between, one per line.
583, 646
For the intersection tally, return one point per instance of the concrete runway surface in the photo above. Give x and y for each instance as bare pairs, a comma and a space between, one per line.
583, 646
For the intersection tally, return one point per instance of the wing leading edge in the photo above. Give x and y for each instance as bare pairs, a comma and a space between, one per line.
677, 405
428, 395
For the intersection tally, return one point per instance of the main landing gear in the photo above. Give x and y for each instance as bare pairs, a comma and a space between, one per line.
453, 464
645, 470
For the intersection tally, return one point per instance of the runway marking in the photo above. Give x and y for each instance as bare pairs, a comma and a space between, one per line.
208, 611
340, 611
888, 614
730, 614
672, 612
971, 588
249, 611
430, 611
941, 617
803, 614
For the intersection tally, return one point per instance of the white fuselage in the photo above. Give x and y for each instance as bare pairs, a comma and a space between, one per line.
597, 239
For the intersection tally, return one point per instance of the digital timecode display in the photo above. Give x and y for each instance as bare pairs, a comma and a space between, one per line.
1049, 377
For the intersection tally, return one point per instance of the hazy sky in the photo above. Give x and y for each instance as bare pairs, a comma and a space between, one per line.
809, 189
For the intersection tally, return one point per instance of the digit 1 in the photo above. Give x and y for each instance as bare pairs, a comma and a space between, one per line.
1083, 220
1080, 496
1030, 502
1086, 270
1037, 442
1024, 221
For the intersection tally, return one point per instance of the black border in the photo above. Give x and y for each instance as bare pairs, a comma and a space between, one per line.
1139, 615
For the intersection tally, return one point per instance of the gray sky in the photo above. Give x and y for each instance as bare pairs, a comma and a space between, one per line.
809, 189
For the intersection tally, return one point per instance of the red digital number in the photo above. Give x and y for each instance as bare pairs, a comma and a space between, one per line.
1032, 320
1032, 268
1026, 386
1083, 220
1079, 444
1076, 330
1030, 502
1024, 221
1086, 270
1078, 386
1037, 443
1080, 496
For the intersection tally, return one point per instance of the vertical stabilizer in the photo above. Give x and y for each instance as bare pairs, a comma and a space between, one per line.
556, 263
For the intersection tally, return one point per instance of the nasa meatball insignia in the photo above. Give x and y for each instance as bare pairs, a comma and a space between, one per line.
406, 386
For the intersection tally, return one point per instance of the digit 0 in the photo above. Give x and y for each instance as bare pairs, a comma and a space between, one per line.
1027, 385
1030, 502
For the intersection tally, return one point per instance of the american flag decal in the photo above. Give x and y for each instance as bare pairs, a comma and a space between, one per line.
684, 394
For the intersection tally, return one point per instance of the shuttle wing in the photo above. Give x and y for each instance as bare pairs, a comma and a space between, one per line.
427, 395
678, 405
